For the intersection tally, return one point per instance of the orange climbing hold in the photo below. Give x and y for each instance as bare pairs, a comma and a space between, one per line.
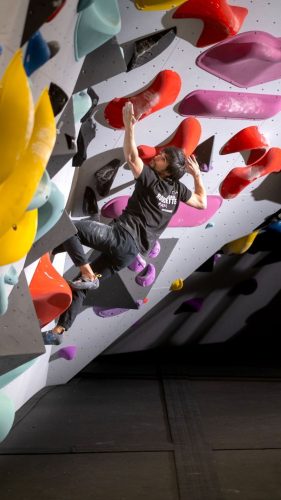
50, 293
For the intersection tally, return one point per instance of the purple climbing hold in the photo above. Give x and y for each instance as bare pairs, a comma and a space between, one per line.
204, 167
154, 252
138, 264
68, 352
147, 276
195, 303
190, 305
102, 312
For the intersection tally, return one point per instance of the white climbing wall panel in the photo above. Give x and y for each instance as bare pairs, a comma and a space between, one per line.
90, 333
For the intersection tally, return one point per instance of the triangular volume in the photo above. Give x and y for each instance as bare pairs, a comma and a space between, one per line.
90, 206
39, 12
105, 176
203, 153
150, 47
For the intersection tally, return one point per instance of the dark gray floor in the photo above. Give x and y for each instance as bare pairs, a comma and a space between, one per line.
124, 429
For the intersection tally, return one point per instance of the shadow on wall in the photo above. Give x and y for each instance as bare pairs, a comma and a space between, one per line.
269, 189
187, 29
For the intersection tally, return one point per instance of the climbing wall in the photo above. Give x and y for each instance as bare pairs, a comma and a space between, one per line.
83, 148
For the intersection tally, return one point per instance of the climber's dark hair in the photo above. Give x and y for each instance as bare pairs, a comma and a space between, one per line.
176, 162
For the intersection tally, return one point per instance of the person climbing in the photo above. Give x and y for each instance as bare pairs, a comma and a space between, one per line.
155, 199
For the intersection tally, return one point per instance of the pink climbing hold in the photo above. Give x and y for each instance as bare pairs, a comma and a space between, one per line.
220, 19
68, 352
240, 177
185, 216
223, 104
248, 59
162, 92
186, 137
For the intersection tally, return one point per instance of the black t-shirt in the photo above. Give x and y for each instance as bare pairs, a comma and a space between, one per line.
151, 207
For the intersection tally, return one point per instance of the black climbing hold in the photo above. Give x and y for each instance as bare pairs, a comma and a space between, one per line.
90, 206
86, 134
150, 47
39, 12
105, 176
58, 98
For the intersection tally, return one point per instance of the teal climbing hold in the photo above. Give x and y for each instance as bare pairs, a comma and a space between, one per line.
7, 415
50, 212
9, 278
84, 4
3, 296
95, 25
210, 224
82, 102
8, 377
42, 193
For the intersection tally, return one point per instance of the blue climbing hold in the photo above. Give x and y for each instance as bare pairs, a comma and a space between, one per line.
37, 53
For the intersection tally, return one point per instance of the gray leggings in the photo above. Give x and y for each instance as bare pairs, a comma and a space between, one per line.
118, 250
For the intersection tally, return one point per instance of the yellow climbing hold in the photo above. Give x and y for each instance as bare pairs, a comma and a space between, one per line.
17, 241
176, 284
241, 245
16, 115
18, 189
157, 4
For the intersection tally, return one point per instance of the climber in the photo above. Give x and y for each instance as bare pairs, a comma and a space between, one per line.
155, 199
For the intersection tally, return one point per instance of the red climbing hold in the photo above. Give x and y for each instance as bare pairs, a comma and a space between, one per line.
162, 92
220, 19
246, 139
186, 137
240, 177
